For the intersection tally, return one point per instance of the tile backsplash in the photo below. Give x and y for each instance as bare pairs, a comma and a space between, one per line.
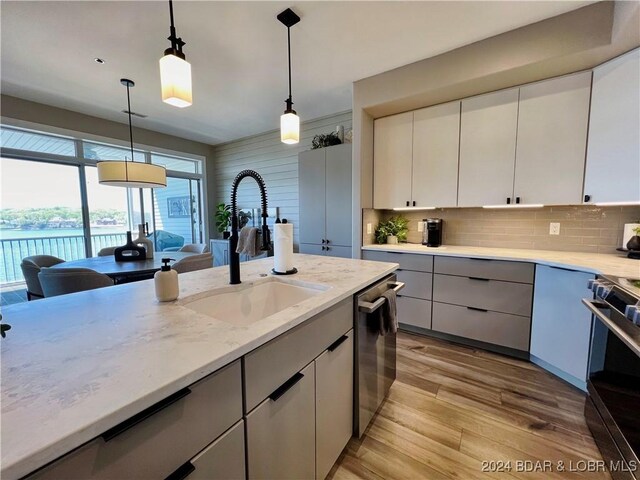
582, 228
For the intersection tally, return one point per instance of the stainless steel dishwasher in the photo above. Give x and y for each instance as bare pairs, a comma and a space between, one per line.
375, 354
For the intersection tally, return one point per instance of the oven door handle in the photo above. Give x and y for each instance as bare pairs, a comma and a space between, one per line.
596, 308
370, 307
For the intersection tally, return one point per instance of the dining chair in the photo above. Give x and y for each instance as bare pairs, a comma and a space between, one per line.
195, 248
60, 281
193, 262
106, 251
31, 267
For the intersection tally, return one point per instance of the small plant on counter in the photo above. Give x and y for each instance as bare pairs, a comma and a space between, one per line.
223, 219
393, 230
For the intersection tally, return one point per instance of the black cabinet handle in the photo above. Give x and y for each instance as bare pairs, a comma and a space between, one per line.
323, 240
587, 198
143, 415
477, 309
479, 279
337, 343
508, 200
414, 203
182, 472
327, 241
328, 248
324, 248
407, 203
517, 199
282, 389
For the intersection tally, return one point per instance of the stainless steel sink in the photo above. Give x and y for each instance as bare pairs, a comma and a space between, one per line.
248, 303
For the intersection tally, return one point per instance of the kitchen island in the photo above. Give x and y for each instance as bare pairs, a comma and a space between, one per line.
75, 366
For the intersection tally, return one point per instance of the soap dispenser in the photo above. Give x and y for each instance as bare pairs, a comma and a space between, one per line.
166, 281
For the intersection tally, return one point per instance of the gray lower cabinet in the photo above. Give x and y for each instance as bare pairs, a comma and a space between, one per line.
561, 326
511, 331
414, 300
325, 201
328, 251
414, 312
334, 402
158, 441
281, 431
223, 459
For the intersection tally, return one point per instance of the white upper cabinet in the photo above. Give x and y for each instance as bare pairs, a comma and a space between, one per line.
487, 148
553, 119
392, 159
436, 135
613, 153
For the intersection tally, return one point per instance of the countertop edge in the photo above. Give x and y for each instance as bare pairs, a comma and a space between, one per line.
530, 258
27, 464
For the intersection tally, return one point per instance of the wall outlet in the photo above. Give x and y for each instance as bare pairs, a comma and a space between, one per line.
554, 229
369, 229
420, 226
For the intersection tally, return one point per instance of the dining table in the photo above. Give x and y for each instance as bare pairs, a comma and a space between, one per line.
127, 271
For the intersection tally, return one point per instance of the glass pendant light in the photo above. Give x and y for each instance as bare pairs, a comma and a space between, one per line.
175, 71
289, 121
123, 173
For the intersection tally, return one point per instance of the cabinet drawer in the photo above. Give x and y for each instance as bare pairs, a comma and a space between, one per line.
505, 297
334, 404
492, 327
281, 433
485, 268
414, 311
159, 444
269, 366
222, 460
407, 261
416, 284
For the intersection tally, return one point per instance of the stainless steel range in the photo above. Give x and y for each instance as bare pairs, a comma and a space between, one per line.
613, 406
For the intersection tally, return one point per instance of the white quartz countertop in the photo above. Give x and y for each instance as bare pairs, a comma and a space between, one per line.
609, 264
76, 365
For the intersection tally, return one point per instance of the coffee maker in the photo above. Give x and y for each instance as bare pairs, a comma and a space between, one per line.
432, 232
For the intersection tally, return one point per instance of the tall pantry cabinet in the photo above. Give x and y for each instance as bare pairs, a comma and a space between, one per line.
325, 201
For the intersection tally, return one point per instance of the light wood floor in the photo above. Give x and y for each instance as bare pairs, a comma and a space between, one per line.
453, 407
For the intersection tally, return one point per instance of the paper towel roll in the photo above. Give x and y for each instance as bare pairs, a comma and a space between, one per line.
283, 247
628, 233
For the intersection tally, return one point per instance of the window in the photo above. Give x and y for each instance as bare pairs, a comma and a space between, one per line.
51, 202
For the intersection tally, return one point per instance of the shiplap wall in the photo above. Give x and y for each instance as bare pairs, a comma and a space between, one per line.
275, 161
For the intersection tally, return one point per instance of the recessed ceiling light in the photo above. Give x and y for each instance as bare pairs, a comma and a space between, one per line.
98, 60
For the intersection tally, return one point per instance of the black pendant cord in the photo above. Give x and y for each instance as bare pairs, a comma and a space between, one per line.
126, 170
290, 102
176, 42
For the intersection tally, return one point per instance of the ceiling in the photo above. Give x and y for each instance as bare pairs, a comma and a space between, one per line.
237, 51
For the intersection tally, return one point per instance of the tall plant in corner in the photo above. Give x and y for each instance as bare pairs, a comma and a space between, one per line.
223, 219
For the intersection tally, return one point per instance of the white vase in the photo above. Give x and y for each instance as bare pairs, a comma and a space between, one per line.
143, 241
392, 240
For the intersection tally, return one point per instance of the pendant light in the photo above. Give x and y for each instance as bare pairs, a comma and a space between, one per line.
123, 173
175, 71
289, 121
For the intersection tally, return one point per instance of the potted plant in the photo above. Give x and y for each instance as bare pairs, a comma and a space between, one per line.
223, 219
392, 231
634, 242
325, 140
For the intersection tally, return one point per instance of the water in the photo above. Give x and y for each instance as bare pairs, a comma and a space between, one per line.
7, 234
65, 243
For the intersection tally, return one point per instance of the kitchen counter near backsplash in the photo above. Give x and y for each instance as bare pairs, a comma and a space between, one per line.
583, 228
603, 263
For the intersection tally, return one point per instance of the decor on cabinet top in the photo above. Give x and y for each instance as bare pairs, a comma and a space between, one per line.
325, 140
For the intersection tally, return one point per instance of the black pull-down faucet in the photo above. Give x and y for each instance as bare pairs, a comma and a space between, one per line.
234, 258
